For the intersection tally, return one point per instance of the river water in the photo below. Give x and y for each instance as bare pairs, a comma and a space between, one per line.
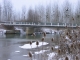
12, 47
29, 47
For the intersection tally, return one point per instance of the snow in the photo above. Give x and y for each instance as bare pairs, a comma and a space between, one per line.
28, 46
39, 52
67, 38
17, 51
9, 59
2, 35
2, 31
51, 55
25, 55
21, 30
34, 59
48, 30
56, 47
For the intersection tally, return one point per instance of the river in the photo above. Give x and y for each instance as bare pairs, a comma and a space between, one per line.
29, 47
12, 46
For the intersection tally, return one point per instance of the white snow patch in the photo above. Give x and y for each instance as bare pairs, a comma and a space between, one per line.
51, 55
25, 55
21, 30
28, 46
48, 30
17, 51
2, 35
67, 38
39, 52
3, 31
34, 59
56, 47
9, 59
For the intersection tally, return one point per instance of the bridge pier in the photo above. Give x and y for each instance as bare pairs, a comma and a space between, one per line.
30, 30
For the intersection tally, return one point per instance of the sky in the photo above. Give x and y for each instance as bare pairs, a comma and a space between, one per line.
18, 4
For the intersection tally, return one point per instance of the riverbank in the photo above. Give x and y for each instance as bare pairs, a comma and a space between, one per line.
20, 31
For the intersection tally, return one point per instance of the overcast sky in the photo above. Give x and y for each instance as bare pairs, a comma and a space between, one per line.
17, 4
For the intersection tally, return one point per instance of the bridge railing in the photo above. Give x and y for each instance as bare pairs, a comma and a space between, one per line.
38, 23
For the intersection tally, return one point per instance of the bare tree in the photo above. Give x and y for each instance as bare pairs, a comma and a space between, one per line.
67, 12
77, 13
56, 13
0, 12
37, 15
13, 16
30, 15
52, 13
42, 13
7, 10
24, 13
33, 16
48, 13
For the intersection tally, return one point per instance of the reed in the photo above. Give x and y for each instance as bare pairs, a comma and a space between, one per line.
52, 39
64, 48
30, 55
66, 58
30, 44
37, 43
59, 51
42, 45
33, 34
76, 58
42, 39
52, 48
44, 34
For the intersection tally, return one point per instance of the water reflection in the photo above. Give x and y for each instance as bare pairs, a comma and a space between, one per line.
5, 51
12, 35
20, 36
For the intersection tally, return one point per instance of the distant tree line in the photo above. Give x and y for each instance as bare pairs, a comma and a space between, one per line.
49, 13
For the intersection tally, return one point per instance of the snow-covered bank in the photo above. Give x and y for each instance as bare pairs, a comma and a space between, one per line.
21, 30
51, 31
48, 30
2, 31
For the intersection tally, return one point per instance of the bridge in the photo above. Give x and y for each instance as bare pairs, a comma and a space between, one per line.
31, 24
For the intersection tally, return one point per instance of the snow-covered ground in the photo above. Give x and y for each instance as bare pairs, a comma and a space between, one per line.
21, 30
51, 55
2, 31
48, 30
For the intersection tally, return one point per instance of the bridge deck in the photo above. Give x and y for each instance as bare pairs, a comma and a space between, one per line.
51, 25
